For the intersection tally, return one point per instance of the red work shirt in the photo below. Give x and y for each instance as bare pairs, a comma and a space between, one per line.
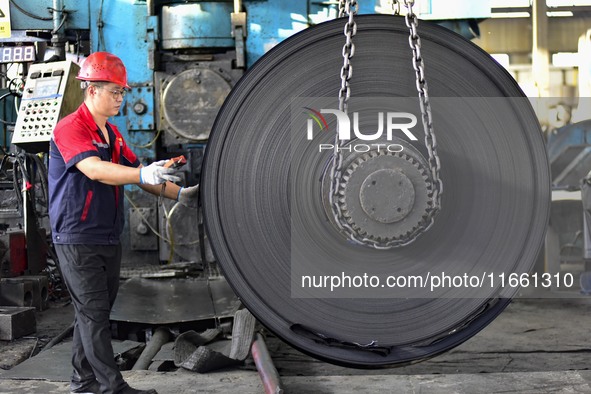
83, 211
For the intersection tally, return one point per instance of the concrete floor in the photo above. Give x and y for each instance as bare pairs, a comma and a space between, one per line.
537, 345
246, 383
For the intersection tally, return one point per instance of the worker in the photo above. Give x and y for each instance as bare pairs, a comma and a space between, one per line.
89, 163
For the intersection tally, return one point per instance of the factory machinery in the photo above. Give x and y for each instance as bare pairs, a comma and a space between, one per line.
360, 247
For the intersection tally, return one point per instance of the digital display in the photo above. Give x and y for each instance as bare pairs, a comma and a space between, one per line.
17, 54
47, 87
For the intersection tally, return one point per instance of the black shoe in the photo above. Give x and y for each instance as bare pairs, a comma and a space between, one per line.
131, 390
92, 388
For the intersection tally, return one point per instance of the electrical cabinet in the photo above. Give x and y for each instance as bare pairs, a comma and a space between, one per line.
51, 92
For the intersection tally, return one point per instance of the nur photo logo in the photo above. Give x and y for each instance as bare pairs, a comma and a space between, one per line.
388, 123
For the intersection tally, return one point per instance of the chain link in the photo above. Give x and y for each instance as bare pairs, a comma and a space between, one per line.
396, 7
348, 8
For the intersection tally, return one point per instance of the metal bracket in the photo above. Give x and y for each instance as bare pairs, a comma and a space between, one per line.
139, 105
239, 33
152, 37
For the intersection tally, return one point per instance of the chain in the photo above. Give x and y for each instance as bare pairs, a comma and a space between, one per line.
348, 8
414, 41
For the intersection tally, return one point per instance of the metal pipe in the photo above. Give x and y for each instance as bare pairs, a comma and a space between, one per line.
60, 337
151, 9
57, 37
160, 337
58, 6
237, 6
540, 53
264, 364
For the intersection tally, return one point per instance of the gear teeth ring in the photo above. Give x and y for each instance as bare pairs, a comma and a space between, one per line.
397, 234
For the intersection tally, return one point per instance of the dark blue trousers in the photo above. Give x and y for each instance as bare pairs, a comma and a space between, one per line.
91, 273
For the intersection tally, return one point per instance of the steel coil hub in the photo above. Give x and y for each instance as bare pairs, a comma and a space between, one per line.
385, 194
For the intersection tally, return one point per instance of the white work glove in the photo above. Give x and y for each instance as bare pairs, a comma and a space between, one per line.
155, 174
188, 196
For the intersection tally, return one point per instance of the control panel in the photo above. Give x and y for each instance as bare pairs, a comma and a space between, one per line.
51, 92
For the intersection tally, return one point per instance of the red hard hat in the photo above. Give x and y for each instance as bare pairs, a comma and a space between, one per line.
103, 66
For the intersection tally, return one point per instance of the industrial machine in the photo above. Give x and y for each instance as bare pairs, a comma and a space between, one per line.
50, 93
248, 92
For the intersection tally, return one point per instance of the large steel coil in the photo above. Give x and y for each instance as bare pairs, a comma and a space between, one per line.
264, 194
